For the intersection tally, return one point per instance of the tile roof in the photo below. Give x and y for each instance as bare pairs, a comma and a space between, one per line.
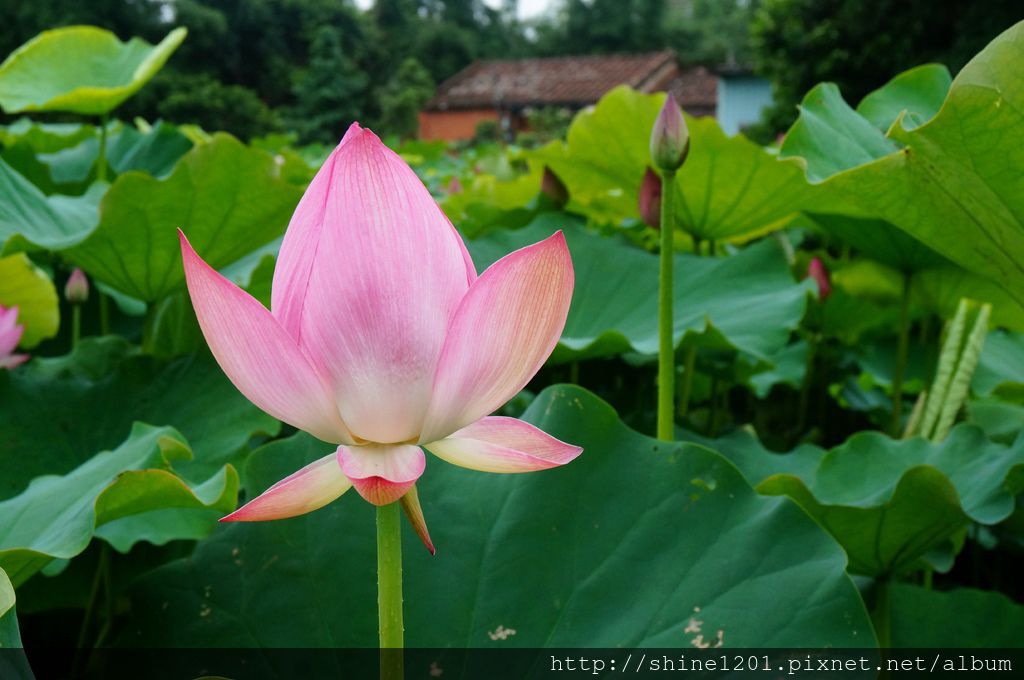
573, 81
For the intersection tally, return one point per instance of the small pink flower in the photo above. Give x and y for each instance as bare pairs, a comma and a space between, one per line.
454, 186
650, 199
10, 335
382, 339
670, 138
817, 271
76, 290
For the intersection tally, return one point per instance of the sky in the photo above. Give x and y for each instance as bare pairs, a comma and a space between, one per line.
528, 9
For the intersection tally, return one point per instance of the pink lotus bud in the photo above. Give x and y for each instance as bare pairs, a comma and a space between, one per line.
455, 186
552, 186
670, 140
817, 271
650, 199
76, 290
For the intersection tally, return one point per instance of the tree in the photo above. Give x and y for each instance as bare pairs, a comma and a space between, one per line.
860, 44
402, 98
328, 93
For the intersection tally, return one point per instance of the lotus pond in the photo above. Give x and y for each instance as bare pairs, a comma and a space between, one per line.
840, 463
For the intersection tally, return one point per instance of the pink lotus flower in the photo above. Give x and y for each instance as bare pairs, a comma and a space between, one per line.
10, 336
382, 338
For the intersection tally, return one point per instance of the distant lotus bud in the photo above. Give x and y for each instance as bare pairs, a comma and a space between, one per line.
817, 271
650, 199
670, 140
554, 188
455, 186
76, 290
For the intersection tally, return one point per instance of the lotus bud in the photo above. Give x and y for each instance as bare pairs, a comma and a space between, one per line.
454, 186
650, 199
817, 271
670, 140
76, 290
552, 186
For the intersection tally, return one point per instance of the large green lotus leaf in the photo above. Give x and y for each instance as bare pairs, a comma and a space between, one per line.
889, 502
59, 412
13, 664
80, 69
957, 619
554, 556
227, 198
50, 222
1000, 366
155, 152
56, 516
44, 137
919, 92
937, 289
9, 636
24, 285
1001, 420
728, 187
746, 301
830, 137
880, 241
949, 185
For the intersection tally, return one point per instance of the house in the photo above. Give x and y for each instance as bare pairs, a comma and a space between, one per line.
504, 91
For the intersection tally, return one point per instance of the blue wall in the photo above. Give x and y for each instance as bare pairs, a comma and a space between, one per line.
741, 100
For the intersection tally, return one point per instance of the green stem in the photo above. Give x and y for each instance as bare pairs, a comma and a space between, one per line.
666, 351
104, 313
389, 590
689, 362
926, 578
805, 387
901, 360
101, 158
94, 596
574, 373
76, 324
713, 418
881, 614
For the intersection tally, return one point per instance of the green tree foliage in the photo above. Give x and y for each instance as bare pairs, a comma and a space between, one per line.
23, 20
201, 98
328, 93
403, 95
858, 44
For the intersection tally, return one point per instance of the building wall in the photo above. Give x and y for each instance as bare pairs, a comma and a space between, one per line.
741, 99
453, 125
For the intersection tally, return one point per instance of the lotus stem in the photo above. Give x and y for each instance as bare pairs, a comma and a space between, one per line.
76, 324
689, 362
389, 590
666, 350
881, 614
104, 312
901, 359
101, 157
713, 417
805, 385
